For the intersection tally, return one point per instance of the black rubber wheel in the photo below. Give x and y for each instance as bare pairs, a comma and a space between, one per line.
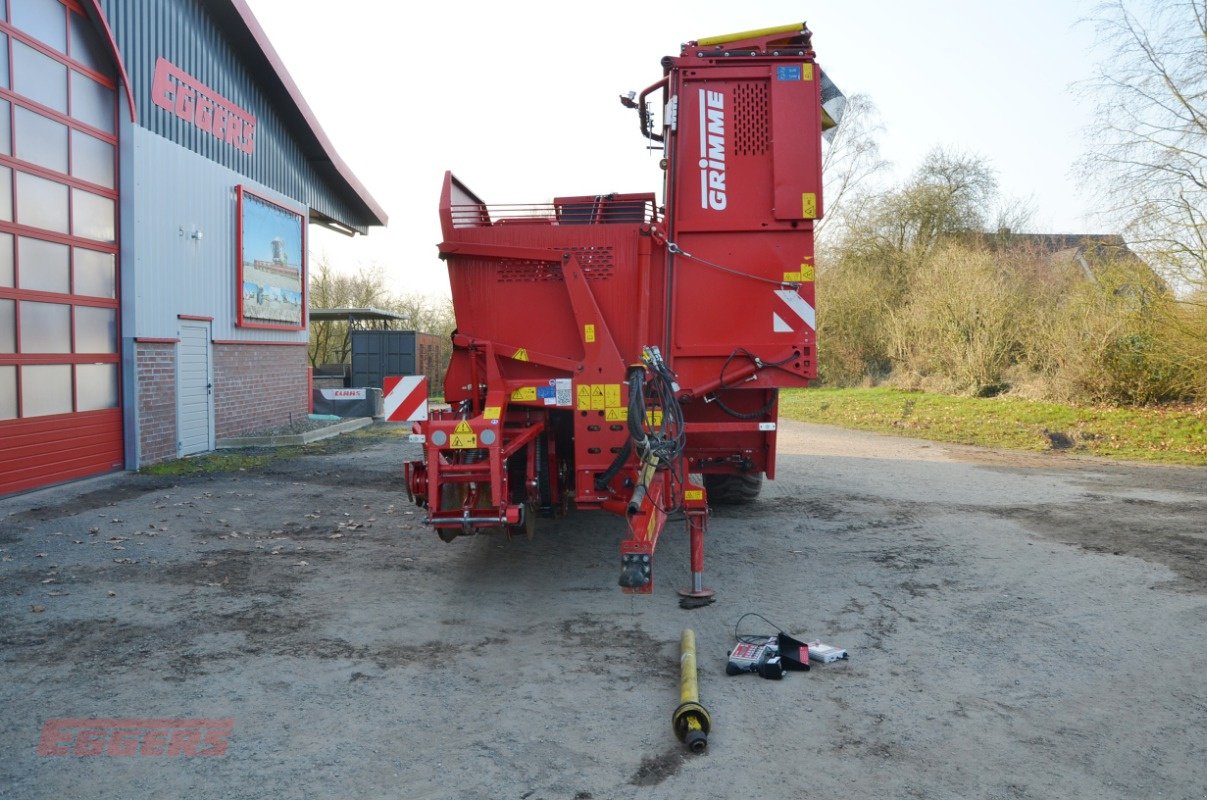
733, 489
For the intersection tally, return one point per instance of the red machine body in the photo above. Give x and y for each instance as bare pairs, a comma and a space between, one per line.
626, 357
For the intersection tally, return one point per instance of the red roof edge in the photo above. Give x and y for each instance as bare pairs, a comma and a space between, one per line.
117, 57
295, 94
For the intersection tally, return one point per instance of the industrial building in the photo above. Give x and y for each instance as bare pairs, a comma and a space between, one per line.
159, 170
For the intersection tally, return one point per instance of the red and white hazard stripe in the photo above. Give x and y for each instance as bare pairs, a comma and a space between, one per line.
405, 398
797, 311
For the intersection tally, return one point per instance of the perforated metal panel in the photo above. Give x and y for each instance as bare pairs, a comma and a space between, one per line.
750, 121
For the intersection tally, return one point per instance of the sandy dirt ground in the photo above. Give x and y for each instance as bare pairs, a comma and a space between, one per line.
1019, 626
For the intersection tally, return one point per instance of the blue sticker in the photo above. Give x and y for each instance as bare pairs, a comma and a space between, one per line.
546, 391
791, 73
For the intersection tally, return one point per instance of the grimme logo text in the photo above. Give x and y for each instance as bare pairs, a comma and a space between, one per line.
712, 150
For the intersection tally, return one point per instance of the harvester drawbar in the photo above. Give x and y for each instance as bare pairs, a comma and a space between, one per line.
625, 357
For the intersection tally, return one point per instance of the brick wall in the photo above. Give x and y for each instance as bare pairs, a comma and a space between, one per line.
156, 365
258, 387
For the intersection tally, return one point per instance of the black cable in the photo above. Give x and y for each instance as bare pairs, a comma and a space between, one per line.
759, 364
733, 412
753, 638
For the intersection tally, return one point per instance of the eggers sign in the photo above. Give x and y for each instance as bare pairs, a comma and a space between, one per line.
188, 98
135, 737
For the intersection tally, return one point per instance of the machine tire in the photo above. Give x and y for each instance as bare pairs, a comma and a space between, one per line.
733, 489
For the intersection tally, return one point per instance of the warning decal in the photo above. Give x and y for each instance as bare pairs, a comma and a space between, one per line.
463, 437
805, 275
600, 397
808, 204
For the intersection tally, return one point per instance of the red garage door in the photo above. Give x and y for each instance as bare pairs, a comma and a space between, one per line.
60, 370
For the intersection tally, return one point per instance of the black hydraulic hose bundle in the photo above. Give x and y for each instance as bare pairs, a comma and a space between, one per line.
604, 478
660, 442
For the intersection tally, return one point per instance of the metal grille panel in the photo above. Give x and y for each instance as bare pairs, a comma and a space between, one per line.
750, 119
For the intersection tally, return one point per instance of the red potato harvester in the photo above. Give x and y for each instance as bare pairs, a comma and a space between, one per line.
627, 357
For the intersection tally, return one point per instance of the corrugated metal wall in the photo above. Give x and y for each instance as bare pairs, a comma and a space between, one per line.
177, 194
186, 33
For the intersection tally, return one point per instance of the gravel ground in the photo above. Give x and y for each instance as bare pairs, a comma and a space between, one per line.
1019, 626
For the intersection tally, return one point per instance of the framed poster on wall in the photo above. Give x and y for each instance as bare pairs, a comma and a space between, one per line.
270, 246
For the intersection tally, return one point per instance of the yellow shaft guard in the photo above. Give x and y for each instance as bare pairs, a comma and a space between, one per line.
689, 691
736, 37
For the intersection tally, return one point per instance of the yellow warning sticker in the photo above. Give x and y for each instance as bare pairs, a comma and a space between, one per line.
524, 393
490, 412
588, 333
521, 354
611, 395
807, 72
654, 417
597, 397
805, 275
808, 203
463, 437
463, 441
616, 414
584, 397
693, 494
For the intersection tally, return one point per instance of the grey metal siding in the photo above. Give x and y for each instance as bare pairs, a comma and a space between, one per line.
187, 33
176, 194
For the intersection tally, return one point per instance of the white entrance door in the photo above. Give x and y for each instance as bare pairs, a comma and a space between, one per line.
194, 390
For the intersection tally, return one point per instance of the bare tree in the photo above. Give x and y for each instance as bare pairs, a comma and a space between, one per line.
1149, 142
328, 288
851, 160
951, 194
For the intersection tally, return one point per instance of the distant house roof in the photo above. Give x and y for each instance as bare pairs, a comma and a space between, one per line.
1098, 245
1083, 249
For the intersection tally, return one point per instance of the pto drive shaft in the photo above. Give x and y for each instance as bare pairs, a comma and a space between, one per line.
690, 720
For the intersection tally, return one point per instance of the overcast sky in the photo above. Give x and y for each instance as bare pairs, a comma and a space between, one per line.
519, 99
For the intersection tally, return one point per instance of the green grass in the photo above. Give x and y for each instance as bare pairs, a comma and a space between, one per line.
1169, 435
249, 458
221, 461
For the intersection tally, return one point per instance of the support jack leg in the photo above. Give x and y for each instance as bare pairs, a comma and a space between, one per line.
697, 595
